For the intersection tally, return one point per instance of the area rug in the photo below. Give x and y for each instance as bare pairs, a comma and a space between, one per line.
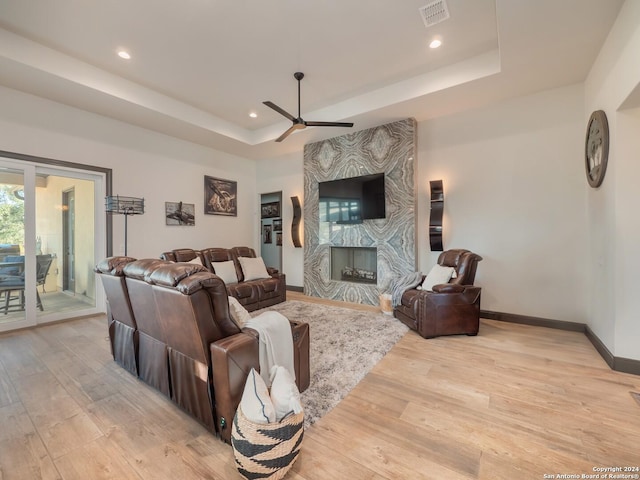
344, 345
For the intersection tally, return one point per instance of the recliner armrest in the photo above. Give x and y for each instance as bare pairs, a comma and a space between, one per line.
232, 358
448, 288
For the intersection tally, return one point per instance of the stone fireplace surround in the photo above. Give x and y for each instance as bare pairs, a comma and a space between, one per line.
391, 149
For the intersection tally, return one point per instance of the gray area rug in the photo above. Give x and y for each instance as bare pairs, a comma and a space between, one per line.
344, 345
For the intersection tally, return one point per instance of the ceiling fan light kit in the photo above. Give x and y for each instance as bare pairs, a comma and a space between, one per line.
298, 123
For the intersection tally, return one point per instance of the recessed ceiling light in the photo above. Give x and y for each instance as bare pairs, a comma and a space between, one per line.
435, 43
253, 114
124, 54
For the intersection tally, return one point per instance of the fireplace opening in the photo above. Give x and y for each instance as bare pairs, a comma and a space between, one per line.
354, 264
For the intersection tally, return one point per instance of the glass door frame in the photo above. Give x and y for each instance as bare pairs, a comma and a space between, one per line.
29, 227
103, 243
98, 238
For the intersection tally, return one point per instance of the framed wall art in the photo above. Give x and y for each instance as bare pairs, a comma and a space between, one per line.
270, 210
266, 234
277, 225
279, 239
220, 196
179, 213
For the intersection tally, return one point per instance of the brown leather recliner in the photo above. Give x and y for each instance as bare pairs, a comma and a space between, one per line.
252, 294
209, 355
450, 309
247, 293
123, 329
153, 365
270, 290
190, 348
193, 311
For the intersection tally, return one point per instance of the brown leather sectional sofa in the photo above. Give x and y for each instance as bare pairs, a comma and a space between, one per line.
169, 324
252, 294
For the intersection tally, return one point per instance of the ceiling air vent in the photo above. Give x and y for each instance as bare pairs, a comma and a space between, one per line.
434, 13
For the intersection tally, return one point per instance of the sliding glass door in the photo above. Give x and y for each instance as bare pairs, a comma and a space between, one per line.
53, 223
12, 259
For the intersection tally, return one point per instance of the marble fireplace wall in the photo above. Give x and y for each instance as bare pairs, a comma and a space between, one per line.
390, 149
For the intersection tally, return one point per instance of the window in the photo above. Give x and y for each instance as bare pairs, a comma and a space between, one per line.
340, 211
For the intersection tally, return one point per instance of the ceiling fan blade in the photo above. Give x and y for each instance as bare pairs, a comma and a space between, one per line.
280, 110
290, 130
328, 124
299, 123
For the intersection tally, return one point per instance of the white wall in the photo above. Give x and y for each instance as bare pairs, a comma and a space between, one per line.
612, 208
286, 174
627, 235
514, 193
145, 164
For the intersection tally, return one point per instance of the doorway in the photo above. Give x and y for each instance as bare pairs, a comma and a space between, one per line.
271, 229
68, 241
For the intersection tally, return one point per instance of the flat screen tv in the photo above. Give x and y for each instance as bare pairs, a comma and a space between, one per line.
352, 200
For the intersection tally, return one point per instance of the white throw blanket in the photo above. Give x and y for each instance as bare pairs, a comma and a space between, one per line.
276, 342
402, 284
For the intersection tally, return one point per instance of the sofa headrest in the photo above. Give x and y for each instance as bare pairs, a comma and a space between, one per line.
464, 261
451, 258
188, 279
199, 281
217, 254
244, 252
141, 269
113, 265
170, 274
185, 254
168, 256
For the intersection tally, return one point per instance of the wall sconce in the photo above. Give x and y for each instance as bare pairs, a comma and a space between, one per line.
435, 220
295, 224
124, 206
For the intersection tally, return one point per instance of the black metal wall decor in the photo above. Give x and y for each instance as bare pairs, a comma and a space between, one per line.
435, 220
295, 224
124, 206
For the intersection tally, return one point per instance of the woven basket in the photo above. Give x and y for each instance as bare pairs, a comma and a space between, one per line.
266, 450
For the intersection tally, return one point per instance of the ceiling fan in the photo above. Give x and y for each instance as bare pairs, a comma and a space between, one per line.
299, 123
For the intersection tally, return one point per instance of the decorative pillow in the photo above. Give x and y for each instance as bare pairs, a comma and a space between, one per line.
239, 314
226, 271
256, 403
436, 276
253, 268
284, 393
196, 261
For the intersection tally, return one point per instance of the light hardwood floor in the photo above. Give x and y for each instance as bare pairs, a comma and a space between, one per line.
515, 402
